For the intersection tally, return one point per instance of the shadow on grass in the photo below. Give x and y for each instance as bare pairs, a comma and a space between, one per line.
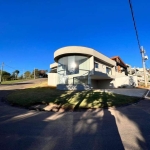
80, 98
105, 100
68, 100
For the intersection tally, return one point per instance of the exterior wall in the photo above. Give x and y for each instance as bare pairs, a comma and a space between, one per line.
126, 81
54, 65
91, 59
122, 74
113, 71
52, 79
102, 67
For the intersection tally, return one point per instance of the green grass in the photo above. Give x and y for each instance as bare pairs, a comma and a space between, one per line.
14, 81
68, 99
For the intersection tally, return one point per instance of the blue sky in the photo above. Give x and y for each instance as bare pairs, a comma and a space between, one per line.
31, 30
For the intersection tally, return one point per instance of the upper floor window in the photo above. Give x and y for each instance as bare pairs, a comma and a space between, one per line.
96, 65
108, 70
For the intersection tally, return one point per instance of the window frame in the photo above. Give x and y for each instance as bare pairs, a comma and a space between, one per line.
108, 70
96, 65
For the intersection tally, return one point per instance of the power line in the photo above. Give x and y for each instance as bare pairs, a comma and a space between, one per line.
147, 66
10, 67
133, 18
142, 51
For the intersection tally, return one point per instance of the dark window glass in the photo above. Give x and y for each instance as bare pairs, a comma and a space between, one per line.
108, 70
96, 65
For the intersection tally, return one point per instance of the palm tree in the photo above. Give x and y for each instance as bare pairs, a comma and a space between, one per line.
16, 72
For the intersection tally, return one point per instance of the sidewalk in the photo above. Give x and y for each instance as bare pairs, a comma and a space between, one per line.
128, 92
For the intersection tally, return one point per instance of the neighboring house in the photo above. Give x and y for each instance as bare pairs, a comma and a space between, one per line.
140, 74
121, 67
129, 69
79, 68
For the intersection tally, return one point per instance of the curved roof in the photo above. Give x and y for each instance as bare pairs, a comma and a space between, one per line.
72, 50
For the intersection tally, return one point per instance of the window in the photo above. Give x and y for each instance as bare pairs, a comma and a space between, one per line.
80, 80
108, 70
96, 65
70, 66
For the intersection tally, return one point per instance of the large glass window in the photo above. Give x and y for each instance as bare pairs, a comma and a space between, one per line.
73, 65
70, 67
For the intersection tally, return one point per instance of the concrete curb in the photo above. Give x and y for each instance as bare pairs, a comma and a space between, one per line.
146, 95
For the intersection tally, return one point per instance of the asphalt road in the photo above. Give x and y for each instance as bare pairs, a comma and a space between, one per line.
121, 128
6, 89
22, 85
102, 129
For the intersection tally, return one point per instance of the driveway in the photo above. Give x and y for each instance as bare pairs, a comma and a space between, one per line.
125, 91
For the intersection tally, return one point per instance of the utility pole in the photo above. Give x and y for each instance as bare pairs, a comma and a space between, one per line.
34, 73
23, 73
1, 73
143, 62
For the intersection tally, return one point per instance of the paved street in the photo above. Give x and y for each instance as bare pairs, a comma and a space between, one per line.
121, 128
22, 85
116, 128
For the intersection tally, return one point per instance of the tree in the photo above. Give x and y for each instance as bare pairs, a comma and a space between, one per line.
36, 73
6, 76
42, 73
15, 74
21, 77
39, 73
27, 74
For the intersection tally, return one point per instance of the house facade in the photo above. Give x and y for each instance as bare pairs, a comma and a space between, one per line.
81, 68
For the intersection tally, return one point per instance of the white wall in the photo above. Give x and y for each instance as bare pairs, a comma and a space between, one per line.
122, 74
52, 79
115, 83
91, 59
125, 80
102, 67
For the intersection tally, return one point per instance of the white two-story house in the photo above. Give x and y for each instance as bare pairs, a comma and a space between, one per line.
80, 68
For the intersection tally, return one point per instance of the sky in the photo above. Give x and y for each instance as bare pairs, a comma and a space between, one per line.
32, 30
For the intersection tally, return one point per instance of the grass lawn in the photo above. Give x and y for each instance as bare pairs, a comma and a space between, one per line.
68, 99
14, 81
